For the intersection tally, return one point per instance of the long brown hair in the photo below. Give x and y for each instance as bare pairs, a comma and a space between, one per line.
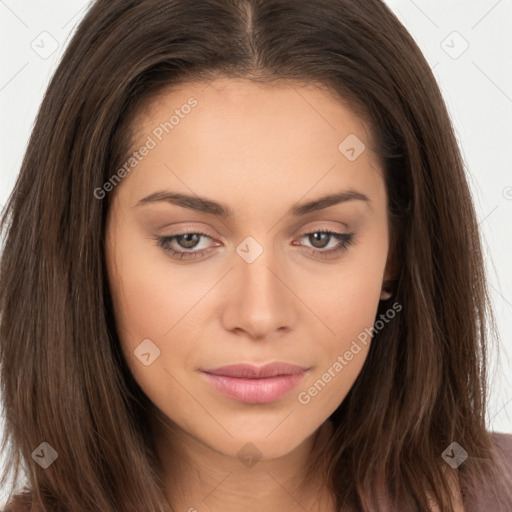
63, 379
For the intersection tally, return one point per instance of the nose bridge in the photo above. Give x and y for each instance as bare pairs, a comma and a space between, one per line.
259, 301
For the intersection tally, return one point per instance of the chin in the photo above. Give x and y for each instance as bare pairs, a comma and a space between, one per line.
262, 440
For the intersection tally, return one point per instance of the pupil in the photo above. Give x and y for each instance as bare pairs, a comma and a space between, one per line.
189, 242
317, 238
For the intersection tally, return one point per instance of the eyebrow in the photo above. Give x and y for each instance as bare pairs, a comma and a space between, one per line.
214, 208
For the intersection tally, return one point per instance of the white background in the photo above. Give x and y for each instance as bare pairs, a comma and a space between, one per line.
476, 83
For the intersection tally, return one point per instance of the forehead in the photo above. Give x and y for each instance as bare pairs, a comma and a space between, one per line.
247, 106
233, 135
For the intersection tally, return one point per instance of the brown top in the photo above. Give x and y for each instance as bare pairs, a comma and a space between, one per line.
495, 496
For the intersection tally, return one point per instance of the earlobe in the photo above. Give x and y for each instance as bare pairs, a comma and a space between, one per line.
385, 295
388, 286
390, 276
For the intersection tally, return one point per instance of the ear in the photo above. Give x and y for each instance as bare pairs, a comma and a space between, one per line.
390, 278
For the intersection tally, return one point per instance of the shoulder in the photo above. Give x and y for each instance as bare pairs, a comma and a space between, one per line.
503, 447
495, 493
503, 442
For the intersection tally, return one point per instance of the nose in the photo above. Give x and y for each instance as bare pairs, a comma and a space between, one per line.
258, 299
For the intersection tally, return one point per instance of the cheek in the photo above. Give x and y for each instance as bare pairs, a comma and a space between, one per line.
144, 301
150, 296
151, 302
346, 296
340, 353
346, 301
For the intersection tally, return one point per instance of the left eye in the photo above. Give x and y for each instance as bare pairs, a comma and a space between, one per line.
189, 241
343, 240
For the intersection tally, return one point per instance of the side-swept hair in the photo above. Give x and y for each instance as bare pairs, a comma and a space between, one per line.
63, 378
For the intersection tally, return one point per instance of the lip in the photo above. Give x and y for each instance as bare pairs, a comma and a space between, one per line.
255, 384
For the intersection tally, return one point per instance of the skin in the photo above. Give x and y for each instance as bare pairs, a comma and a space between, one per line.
259, 150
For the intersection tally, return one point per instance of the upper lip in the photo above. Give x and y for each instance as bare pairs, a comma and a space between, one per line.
249, 371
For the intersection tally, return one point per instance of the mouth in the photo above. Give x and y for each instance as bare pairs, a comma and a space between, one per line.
255, 384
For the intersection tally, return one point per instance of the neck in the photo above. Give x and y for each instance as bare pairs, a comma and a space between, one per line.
198, 478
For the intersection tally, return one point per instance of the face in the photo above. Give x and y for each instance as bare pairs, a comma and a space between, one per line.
241, 301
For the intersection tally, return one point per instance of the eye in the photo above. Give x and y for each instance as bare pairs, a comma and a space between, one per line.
185, 245
321, 239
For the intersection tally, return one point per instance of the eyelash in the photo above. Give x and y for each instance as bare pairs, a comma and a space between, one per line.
345, 239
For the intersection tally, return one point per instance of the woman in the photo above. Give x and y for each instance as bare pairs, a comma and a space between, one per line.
242, 271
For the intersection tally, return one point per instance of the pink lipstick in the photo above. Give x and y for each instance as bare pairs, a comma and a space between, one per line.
255, 384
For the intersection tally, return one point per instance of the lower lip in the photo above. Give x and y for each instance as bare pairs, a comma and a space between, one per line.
255, 391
